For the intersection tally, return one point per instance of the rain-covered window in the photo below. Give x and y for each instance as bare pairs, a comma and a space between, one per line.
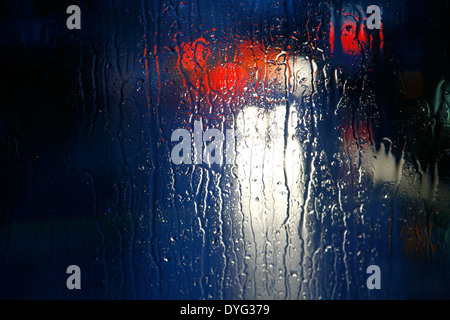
225, 149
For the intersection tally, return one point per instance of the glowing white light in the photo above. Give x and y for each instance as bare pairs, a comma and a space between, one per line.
270, 170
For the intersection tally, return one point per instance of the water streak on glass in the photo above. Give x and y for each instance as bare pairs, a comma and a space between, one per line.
339, 135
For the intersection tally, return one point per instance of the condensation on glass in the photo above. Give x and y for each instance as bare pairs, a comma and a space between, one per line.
338, 165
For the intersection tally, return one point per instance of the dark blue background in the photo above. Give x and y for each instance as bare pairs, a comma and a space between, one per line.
84, 174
